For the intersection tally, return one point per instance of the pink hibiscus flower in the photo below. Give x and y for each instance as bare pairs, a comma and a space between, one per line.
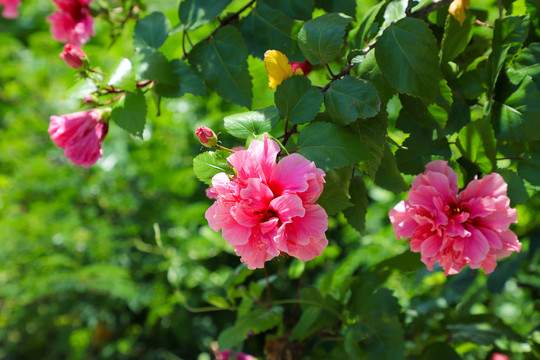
457, 229
80, 135
10, 8
72, 22
268, 208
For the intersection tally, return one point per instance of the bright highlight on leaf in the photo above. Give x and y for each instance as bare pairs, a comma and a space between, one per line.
457, 9
278, 68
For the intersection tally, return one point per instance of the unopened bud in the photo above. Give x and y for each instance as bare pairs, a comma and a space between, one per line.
304, 66
73, 56
207, 137
91, 100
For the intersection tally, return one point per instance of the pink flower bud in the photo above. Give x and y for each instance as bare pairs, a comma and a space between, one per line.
305, 66
499, 356
10, 8
73, 56
80, 135
207, 137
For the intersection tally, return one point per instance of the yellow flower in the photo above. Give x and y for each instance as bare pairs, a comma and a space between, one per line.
278, 68
457, 9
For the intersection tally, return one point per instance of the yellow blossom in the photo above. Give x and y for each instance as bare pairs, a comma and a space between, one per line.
278, 68
457, 9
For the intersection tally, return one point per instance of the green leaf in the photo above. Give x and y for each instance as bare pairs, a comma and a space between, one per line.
356, 214
516, 188
296, 99
130, 113
252, 122
456, 37
407, 55
218, 301
296, 269
529, 168
508, 36
439, 351
414, 111
526, 63
81, 89
305, 325
372, 133
151, 31
184, 81
460, 115
257, 321
297, 9
266, 28
210, 163
123, 77
369, 70
388, 175
394, 11
418, 153
196, 13
151, 64
222, 63
334, 197
344, 6
517, 118
477, 143
331, 146
321, 38
351, 98
365, 28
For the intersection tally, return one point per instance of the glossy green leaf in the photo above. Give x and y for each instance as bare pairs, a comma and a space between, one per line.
508, 36
296, 99
130, 113
351, 98
529, 168
196, 13
321, 38
123, 77
151, 31
418, 152
394, 11
407, 55
183, 81
252, 122
456, 37
372, 133
460, 116
210, 163
305, 325
331, 146
476, 142
335, 194
356, 214
222, 63
369, 70
364, 32
516, 188
297, 9
517, 118
81, 89
338, 6
151, 64
414, 111
526, 63
266, 28
388, 175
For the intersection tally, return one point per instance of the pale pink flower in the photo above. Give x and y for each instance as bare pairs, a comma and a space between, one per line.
73, 56
80, 135
457, 229
72, 22
10, 8
268, 208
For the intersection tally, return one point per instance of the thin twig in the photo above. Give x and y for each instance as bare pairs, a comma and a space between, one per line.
478, 22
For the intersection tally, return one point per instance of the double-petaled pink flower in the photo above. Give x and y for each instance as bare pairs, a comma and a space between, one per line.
72, 22
80, 135
269, 207
10, 8
454, 228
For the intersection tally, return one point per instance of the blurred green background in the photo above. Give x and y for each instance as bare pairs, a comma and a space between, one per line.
98, 263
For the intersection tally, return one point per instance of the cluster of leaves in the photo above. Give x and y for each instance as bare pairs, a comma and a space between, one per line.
394, 85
